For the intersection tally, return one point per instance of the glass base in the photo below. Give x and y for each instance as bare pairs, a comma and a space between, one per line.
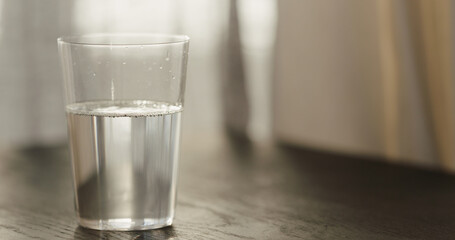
125, 224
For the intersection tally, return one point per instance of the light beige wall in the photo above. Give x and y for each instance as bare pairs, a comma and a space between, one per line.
328, 88
344, 83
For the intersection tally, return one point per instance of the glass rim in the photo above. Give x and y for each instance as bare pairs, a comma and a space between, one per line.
136, 39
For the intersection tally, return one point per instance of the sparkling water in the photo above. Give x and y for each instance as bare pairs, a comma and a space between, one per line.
124, 156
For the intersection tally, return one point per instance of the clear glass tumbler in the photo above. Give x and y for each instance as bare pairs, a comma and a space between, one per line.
124, 101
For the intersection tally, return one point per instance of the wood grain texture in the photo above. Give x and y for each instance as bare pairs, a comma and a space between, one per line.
237, 190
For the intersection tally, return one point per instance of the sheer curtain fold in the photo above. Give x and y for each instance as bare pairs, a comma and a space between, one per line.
435, 20
419, 62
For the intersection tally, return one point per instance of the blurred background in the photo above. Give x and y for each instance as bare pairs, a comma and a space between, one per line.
371, 78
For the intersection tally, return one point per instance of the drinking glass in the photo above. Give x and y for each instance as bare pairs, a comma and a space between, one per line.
124, 102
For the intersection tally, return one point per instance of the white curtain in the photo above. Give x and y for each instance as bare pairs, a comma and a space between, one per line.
30, 90
31, 101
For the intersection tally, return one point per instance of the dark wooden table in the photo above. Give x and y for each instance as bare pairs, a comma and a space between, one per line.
238, 190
